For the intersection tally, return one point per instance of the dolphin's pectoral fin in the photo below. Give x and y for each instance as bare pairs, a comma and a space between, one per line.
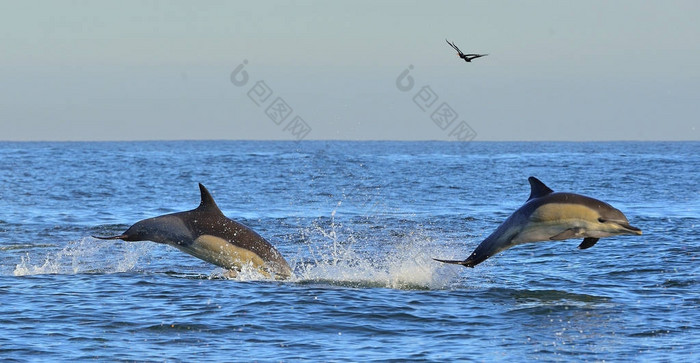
588, 242
569, 233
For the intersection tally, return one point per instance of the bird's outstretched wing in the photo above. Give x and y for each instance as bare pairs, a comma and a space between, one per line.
455, 47
474, 56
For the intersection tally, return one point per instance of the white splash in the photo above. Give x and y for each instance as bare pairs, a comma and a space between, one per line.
84, 256
248, 272
406, 264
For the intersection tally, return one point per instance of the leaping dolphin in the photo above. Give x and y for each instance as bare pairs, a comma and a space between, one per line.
549, 216
207, 234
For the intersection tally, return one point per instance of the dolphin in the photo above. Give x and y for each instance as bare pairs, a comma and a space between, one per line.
550, 216
207, 234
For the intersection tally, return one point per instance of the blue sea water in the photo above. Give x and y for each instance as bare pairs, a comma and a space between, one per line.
360, 223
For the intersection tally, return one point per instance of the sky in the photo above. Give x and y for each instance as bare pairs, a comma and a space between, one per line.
349, 70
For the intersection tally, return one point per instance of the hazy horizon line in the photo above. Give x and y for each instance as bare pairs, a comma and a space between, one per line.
336, 140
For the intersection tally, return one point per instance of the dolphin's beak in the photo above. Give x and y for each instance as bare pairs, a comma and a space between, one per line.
121, 236
631, 229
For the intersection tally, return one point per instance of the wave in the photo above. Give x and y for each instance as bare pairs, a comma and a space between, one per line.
83, 256
337, 257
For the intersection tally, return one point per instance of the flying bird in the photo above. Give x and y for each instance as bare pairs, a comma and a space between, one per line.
466, 57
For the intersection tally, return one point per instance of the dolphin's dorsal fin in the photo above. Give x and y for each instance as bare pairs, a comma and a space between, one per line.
207, 202
537, 188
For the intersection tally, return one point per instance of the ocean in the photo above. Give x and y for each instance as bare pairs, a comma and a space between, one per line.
360, 223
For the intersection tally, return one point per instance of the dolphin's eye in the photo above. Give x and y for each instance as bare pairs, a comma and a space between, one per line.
601, 220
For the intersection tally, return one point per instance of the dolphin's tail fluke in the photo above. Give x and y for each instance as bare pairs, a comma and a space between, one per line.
465, 263
121, 236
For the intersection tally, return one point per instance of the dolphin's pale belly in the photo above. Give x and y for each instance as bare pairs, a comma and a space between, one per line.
551, 220
541, 231
558, 230
220, 252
